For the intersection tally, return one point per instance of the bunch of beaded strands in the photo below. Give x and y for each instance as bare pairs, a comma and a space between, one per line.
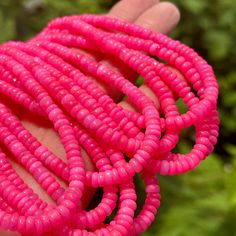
47, 77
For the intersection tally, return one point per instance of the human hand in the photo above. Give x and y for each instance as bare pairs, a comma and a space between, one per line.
158, 16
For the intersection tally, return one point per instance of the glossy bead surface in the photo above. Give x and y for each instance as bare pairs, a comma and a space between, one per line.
51, 79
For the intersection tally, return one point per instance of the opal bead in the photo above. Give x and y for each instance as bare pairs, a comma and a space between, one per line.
50, 77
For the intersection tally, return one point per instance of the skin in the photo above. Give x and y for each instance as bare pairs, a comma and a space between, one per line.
153, 14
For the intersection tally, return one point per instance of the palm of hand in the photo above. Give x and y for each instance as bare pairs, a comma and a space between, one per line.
161, 17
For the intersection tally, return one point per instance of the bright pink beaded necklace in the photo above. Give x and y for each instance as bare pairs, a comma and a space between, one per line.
50, 79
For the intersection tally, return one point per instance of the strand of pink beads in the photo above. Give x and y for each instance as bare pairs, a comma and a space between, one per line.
49, 78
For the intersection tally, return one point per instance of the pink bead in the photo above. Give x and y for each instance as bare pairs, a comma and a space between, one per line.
48, 78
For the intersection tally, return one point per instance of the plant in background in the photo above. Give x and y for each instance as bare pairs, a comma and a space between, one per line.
210, 29
22, 19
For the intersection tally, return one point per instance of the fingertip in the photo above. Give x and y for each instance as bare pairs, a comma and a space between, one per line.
173, 10
130, 10
162, 17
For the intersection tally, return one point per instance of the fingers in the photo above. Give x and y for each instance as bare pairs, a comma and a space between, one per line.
162, 17
148, 92
155, 15
129, 10
49, 138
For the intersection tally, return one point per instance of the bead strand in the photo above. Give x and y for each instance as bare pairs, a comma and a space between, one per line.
47, 76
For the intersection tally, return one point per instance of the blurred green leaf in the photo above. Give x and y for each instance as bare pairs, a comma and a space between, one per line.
219, 44
194, 6
194, 203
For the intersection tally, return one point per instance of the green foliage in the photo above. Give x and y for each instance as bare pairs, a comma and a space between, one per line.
21, 19
209, 28
197, 203
202, 202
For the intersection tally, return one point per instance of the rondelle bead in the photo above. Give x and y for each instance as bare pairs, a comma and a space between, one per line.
78, 93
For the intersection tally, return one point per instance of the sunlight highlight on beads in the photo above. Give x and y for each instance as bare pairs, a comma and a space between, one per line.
50, 77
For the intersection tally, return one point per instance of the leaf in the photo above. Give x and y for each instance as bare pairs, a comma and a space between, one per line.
194, 203
195, 6
218, 43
